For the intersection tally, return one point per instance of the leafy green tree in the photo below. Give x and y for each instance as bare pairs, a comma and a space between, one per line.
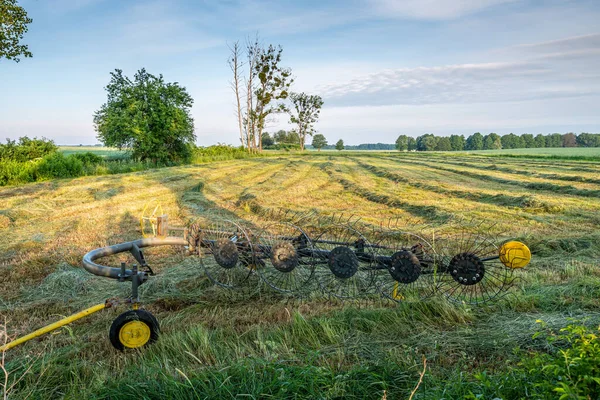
402, 143
339, 145
267, 140
412, 143
13, 25
540, 141
474, 142
528, 140
569, 140
319, 141
554, 140
427, 142
273, 86
443, 144
305, 114
280, 136
457, 142
588, 140
512, 141
492, 142
148, 116
291, 137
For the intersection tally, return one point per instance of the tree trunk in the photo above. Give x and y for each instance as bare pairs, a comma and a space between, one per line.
235, 66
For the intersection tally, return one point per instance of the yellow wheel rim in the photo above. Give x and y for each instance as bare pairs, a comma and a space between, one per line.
134, 334
515, 254
150, 214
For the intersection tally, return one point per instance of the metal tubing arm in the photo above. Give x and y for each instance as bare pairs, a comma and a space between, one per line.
110, 272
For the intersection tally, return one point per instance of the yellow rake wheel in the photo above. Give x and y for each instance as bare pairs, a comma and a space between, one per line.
152, 211
133, 329
514, 254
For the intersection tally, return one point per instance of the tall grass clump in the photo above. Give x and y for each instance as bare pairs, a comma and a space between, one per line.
56, 165
219, 152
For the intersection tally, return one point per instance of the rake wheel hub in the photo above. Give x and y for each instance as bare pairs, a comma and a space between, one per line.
466, 269
405, 267
226, 253
342, 262
284, 257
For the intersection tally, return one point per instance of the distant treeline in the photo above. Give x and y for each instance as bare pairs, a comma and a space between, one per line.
288, 140
493, 141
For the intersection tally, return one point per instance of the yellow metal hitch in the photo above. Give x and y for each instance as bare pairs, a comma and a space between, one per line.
55, 325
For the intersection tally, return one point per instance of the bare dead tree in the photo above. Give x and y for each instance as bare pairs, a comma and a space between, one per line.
236, 65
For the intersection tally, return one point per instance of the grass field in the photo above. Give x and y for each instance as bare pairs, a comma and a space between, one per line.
100, 151
221, 344
562, 152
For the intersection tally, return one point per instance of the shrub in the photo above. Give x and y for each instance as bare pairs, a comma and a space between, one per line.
26, 149
88, 158
573, 369
58, 166
569, 369
284, 146
14, 172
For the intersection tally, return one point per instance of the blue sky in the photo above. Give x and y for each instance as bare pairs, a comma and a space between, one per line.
383, 67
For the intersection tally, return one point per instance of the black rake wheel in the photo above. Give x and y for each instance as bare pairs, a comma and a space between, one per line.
284, 257
406, 265
134, 329
472, 271
225, 253
343, 259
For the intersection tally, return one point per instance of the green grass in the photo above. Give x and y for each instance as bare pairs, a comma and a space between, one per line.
550, 152
235, 344
100, 151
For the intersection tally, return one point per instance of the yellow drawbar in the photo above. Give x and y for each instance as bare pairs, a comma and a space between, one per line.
53, 326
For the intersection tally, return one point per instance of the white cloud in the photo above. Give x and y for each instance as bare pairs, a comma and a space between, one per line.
562, 68
431, 9
566, 45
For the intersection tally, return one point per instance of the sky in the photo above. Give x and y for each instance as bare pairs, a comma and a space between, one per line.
383, 67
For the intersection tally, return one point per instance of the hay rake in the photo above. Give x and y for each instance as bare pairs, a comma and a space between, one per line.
301, 258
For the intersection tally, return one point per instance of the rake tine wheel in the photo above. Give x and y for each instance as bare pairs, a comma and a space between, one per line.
343, 260
225, 252
284, 257
406, 265
471, 271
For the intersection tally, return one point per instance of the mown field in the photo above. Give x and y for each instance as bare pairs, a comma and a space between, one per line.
221, 344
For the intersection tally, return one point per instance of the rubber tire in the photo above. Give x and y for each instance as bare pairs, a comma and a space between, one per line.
133, 315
